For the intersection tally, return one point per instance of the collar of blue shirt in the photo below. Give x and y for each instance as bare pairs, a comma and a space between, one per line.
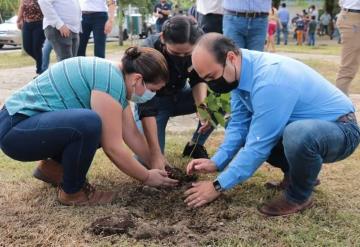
245, 82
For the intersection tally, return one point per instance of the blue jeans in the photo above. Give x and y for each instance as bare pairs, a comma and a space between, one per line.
94, 23
305, 146
248, 33
284, 29
311, 39
33, 39
179, 104
46, 50
70, 137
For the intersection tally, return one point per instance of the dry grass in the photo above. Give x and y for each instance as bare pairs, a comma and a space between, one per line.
31, 216
329, 70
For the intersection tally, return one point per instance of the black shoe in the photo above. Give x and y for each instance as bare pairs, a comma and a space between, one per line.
195, 151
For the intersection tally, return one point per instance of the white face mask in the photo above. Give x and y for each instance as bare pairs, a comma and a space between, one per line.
139, 99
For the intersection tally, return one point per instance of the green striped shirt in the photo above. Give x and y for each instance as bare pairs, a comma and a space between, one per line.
68, 85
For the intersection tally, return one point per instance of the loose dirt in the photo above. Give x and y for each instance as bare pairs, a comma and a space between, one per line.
159, 215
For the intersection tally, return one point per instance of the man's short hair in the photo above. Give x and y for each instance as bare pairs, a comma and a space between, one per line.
218, 45
283, 5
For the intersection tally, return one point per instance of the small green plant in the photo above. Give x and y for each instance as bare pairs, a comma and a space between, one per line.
215, 109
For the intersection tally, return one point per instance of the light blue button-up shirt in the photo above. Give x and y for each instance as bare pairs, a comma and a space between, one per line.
247, 5
273, 91
284, 15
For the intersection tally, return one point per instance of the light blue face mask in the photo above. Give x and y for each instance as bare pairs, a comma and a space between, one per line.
147, 95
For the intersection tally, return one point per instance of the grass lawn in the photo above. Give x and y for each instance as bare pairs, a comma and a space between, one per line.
329, 70
17, 59
322, 49
31, 216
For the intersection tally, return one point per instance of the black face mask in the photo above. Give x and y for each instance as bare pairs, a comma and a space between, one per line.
221, 85
179, 60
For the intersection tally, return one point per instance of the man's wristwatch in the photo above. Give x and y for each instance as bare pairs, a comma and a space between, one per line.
217, 186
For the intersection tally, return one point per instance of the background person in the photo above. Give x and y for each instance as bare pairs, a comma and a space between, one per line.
284, 18
272, 26
98, 19
312, 31
29, 21
162, 10
246, 22
62, 25
348, 23
211, 15
73, 108
325, 20
181, 94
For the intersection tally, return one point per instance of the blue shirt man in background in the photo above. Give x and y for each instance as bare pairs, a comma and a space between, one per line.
282, 112
246, 21
284, 18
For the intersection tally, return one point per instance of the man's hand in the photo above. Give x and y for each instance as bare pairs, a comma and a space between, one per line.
158, 162
108, 26
201, 166
158, 178
200, 194
64, 31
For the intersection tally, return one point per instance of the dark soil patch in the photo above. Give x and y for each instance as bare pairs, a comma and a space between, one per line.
159, 215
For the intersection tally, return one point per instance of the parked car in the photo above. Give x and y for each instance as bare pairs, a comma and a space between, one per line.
9, 33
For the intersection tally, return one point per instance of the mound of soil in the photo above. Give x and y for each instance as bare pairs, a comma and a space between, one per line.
110, 225
159, 215
180, 175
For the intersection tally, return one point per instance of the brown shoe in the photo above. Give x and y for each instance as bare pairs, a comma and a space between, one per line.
283, 184
280, 206
87, 196
49, 171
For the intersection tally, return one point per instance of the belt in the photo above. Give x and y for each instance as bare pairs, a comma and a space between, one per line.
352, 10
89, 12
350, 117
246, 14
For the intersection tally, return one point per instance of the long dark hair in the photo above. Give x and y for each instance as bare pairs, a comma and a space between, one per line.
146, 61
181, 30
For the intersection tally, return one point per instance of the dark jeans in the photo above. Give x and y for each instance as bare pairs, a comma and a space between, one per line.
33, 39
311, 37
212, 23
170, 106
95, 23
305, 146
64, 47
70, 137
283, 28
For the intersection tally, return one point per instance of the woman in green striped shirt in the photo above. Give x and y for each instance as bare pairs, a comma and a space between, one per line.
76, 106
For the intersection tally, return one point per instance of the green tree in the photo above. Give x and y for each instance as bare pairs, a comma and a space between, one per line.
8, 8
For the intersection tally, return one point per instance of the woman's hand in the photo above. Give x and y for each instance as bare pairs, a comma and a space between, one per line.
19, 23
158, 162
158, 178
201, 166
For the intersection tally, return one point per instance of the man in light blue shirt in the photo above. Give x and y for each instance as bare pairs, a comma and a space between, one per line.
284, 18
282, 112
246, 21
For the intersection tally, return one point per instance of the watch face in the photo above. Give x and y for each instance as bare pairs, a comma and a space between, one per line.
217, 186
